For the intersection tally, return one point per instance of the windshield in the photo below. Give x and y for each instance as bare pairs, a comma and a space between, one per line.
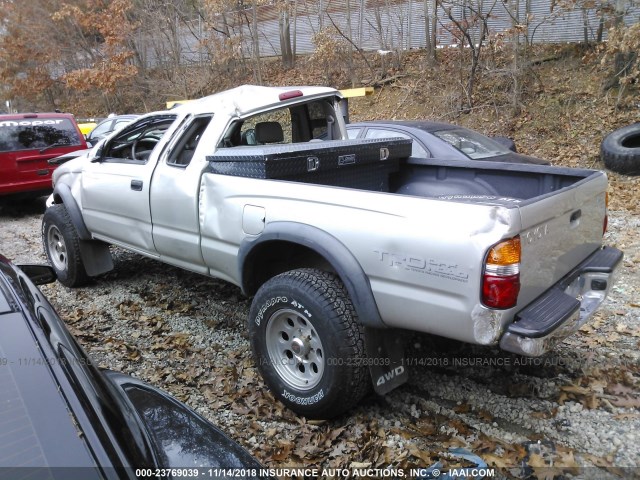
474, 145
31, 134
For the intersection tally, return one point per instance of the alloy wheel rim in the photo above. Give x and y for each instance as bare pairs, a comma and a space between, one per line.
295, 350
57, 248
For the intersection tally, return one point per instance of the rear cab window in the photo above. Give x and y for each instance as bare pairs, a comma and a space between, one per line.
314, 120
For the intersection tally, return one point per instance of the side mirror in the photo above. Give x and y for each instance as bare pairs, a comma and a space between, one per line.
506, 142
39, 274
97, 158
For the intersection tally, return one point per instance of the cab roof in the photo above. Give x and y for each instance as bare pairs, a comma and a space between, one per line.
247, 98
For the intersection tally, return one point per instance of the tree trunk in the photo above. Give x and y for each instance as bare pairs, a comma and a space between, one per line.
600, 29
350, 59
295, 30
284, 24
429, 46
434, 27
256, 44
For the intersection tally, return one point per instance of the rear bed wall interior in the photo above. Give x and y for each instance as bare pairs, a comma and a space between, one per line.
439, 178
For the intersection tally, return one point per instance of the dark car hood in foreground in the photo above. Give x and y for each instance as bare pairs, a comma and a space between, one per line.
181, 437
66, 419
36, 427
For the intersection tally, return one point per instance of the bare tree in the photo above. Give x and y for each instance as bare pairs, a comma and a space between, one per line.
255, 42
284, 24
430, 26
468, 24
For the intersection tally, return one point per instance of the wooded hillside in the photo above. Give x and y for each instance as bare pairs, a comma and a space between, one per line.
92, 57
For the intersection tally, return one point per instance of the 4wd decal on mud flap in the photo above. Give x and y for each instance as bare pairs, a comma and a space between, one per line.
388, 376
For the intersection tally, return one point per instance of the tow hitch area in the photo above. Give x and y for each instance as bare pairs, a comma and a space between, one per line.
565, 307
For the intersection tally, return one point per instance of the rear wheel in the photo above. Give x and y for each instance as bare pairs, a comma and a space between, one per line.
62, 246
308, 343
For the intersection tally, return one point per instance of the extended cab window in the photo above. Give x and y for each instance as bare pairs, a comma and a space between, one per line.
315, 120
37, 133
184, 149
135, 143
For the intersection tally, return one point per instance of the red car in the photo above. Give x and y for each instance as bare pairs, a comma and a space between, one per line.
27, 141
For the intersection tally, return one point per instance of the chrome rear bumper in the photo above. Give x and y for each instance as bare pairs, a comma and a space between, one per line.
565, 307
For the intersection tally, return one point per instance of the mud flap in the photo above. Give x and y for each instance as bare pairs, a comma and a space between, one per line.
96, 257
386, 360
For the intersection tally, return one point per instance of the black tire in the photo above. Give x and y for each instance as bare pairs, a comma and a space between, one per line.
620, 150
62, 246
308, 344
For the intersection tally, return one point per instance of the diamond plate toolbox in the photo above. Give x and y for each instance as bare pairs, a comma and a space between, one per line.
349, 163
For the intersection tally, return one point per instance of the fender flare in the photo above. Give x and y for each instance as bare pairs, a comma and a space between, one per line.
96, 256
64, 192
332, 250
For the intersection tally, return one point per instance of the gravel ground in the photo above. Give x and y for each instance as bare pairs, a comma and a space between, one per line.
575, 411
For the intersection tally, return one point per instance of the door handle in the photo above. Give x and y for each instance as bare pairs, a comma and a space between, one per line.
136, 185
574, 221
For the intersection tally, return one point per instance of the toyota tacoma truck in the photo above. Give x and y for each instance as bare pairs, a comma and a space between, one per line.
341, 243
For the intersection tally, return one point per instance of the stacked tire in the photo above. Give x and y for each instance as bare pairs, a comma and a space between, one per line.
620, 150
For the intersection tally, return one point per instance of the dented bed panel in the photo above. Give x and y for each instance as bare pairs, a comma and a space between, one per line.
423, 263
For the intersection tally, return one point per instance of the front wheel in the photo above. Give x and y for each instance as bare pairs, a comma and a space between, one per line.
62, 246
308, 343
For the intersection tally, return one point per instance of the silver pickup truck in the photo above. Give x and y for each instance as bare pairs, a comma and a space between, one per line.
342, 243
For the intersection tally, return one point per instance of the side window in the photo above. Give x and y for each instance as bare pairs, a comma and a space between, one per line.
136, 143
121, 123
318, 120
101, 129
321, 120
184, 149
353, 132
416, 149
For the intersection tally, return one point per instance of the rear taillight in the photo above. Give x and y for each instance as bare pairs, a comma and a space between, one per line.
501, 276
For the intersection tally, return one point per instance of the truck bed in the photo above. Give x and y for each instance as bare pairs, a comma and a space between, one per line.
384, 165
482, 181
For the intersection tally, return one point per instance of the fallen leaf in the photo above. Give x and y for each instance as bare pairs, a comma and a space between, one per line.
422, 455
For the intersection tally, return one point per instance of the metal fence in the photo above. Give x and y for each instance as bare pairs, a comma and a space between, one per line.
383, 25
